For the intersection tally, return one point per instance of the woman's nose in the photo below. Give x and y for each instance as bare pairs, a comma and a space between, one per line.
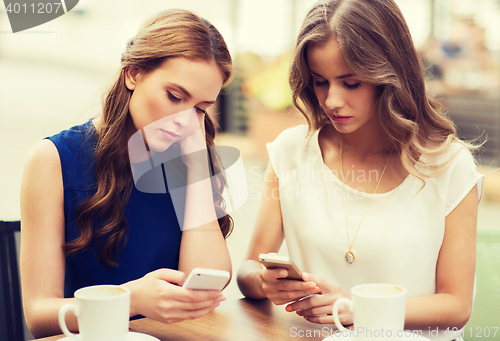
334, 99
183, 118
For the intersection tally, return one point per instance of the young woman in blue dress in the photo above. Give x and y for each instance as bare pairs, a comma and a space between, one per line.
376, 188
83, 220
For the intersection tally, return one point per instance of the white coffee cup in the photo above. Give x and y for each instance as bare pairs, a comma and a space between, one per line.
378, 311
102, 311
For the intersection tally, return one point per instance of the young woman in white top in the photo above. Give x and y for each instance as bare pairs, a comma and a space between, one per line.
377, 187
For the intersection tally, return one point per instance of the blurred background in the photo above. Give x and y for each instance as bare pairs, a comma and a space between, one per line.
53, 76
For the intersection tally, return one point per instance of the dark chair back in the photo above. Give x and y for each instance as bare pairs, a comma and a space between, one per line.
11, 315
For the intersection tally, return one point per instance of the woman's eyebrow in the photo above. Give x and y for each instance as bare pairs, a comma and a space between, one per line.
315, 74
347, 75
181, 88
188, 95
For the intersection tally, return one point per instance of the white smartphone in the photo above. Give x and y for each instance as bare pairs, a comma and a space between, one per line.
274, 261
206, 279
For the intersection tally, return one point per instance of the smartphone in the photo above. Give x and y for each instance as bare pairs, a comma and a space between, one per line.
273, 261
206, 279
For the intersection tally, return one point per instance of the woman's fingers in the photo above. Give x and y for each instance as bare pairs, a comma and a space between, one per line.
285, 296
307, 303
170, 276
344, 317
177, 315
282, 297
281, 290
320, 319
316, 311
191, 295
291, 285
272, 274
191, 299
185, 304
320, 281
275, 279
181, 303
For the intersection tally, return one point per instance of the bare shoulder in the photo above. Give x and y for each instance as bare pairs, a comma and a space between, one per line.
42, 175
43, 153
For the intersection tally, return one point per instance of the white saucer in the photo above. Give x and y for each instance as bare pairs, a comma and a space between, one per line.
348, 338
131, 336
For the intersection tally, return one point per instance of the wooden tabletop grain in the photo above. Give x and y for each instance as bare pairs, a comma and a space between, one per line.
241, 320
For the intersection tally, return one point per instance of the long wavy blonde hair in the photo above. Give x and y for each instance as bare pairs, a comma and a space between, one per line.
171, 33
377, 46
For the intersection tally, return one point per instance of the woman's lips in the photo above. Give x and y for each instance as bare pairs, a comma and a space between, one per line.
169, 135
339, 118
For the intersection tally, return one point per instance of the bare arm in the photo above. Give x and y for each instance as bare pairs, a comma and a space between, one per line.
42, 240
202, 243
452, 304
268, 235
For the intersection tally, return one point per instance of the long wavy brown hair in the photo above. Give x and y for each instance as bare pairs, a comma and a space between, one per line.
377, 46
171, 33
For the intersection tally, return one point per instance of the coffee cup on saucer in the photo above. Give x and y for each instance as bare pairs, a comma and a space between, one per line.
102, 312
378, 312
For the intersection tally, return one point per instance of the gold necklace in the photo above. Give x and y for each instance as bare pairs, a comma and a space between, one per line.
349, 255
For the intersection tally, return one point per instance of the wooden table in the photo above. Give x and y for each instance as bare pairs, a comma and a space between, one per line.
235, 320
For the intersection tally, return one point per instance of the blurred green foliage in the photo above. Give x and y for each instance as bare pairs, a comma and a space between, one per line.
486, 312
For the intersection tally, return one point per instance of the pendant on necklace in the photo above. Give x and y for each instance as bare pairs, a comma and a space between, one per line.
349, 257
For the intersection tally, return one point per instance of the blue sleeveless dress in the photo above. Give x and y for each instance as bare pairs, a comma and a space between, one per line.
153, 233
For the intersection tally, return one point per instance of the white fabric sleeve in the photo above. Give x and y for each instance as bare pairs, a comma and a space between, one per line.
459, 178
285, 149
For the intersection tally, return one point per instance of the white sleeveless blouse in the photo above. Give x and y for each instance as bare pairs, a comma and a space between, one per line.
401, 234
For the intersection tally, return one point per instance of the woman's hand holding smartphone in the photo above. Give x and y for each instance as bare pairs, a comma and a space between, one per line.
282, 280
206, 279
159, 296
